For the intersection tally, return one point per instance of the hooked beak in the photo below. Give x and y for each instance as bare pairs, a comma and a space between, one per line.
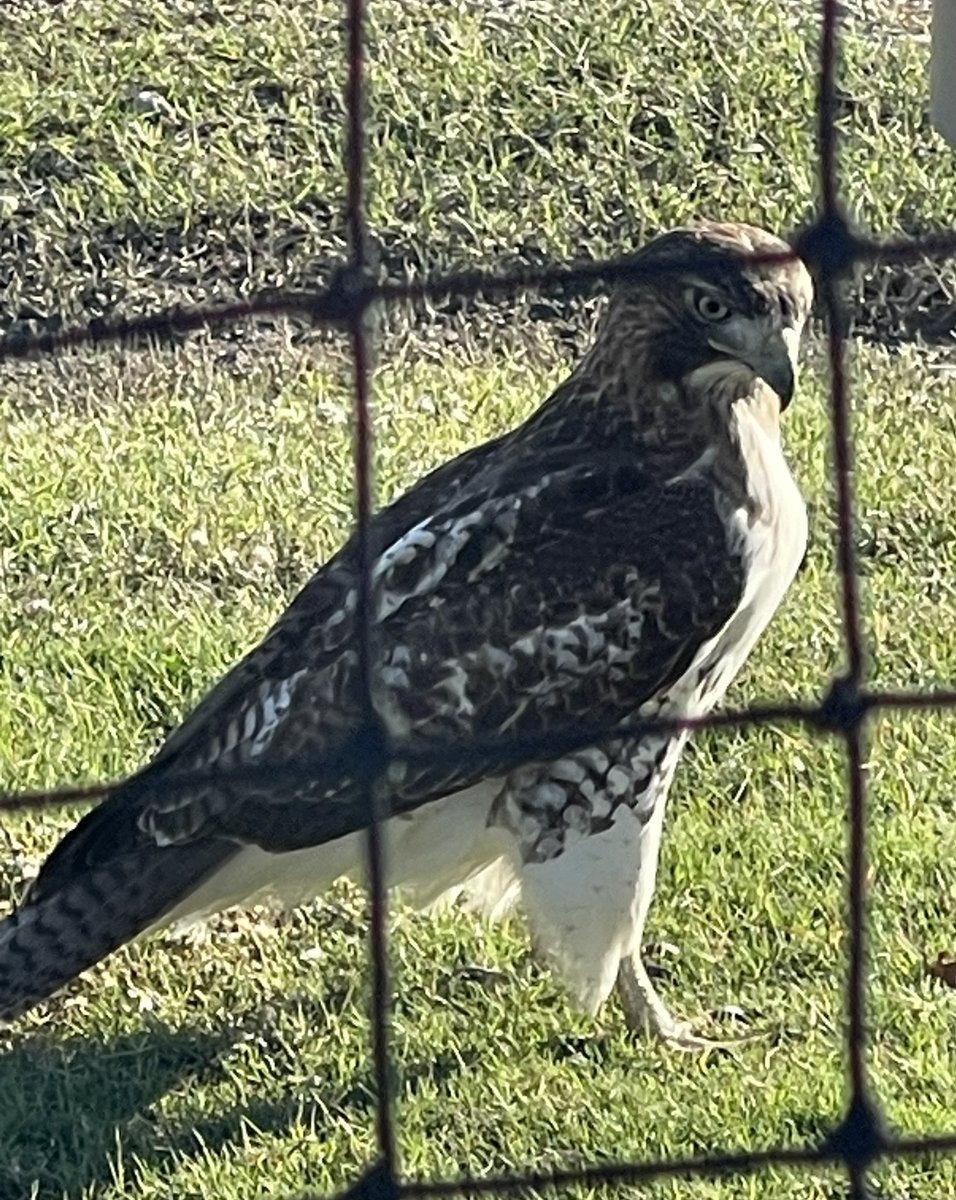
773, 358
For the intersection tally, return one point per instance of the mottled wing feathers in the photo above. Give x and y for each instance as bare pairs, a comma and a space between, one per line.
310, 623
248, 698
538, 601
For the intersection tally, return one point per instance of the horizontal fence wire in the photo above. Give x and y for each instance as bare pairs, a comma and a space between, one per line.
825, 716
830, 247
333, 306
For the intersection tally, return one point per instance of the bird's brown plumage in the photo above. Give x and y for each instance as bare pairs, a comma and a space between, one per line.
573, 569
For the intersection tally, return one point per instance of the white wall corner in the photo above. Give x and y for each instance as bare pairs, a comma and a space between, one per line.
943, 70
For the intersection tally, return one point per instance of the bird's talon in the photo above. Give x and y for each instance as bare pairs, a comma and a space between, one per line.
647, 1014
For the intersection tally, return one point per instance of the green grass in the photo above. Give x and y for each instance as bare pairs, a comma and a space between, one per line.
157, 510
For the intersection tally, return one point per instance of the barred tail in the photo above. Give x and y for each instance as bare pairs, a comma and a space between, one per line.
71, 919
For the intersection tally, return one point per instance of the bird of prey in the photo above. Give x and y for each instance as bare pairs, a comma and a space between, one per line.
610, 561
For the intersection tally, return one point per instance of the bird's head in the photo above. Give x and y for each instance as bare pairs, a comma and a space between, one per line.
706, 304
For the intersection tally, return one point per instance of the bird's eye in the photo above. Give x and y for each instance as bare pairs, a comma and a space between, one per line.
708, 307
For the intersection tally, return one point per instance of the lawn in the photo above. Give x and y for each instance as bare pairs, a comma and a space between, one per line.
157, 509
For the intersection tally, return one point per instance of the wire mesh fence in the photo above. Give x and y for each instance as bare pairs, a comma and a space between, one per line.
830, 247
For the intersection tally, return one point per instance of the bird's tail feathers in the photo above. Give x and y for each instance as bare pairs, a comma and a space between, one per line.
58, 931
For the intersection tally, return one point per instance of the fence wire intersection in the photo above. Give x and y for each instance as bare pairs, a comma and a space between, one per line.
831, 248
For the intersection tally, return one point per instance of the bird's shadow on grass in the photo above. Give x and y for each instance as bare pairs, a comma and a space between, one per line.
81, 1112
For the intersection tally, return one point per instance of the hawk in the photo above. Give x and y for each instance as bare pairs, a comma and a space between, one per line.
611, 560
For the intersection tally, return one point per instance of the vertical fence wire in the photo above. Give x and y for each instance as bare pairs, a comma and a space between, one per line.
859, 1135
373, 739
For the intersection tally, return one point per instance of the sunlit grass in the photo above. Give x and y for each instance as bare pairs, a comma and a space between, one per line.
158, 510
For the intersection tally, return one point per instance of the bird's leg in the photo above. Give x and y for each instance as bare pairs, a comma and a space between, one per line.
646, 1013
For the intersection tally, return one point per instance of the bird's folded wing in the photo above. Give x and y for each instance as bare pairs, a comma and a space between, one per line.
530, 602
